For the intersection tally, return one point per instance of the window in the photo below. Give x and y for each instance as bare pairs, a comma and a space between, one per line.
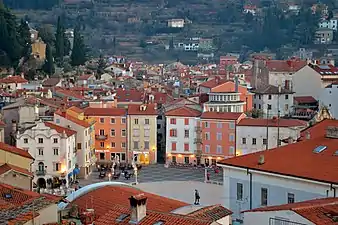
101, 132
219, 136
186, 121
286, 97
172, 121
123, 144
113, 145
112, 132
265, 141
55, 140
264, 196
186, 133
123, 133
79, 146
232, 137
56, 151
123, 156
219, 125
244, 141
255, 106
41, 166
239, 192
123, 120
57, 166
135, 121
253, 141
112, 156
135, 144
231, 150
207, 148
173, 146
101, 120
40, 140
186, 160
269, 97
112, 120
146, 121
146, 145
219, 149
186, 147
291, 198
173, 159
40, 151
207, 136
136, 132
25, 140
206, 124
173, 133
232, 125
286, 107
102, 144
147, 133
102, 156
269, 107
57, 121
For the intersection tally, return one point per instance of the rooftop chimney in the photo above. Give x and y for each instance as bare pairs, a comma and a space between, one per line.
307, 135
261, 160
138, 208
332, 132
236, 84
290, 140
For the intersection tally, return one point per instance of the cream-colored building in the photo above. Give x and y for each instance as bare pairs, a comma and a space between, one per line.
142, 133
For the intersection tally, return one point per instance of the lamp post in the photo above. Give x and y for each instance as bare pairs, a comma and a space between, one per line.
205, 174
109, 176
135, 172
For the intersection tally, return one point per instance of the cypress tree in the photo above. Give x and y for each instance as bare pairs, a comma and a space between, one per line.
59, 40
78, 56
48, 67
25, 38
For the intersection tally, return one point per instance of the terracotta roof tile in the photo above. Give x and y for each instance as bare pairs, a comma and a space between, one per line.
13, 79
150, 109
272, 122
271, 89
131, 95
221, 115
305, 99
213, 83
60, 129
51, 82
184, 112
23, 218
77, 121
212, 213
85, 77
69, 93
76, 109
15, 150
7, 167
318, 129
105, 112
301, 161
292, 65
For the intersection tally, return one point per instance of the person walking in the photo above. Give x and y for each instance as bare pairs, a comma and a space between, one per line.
197, 197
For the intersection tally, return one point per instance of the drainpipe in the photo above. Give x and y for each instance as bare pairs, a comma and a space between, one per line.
250, 186
31, 183
334, 190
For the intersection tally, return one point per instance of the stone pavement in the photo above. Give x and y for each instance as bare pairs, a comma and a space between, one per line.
157, 173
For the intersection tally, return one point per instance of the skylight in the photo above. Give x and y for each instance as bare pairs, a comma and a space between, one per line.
121, 217
8, 195
319, 149
335, 153
160, 222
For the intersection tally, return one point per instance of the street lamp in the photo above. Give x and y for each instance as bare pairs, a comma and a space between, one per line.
135, 172
109, 176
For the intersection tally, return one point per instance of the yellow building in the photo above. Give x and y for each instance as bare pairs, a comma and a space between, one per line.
142, 133
39, 49
15, 166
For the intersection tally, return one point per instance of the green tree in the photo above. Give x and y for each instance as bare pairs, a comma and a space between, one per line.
59, 40
101, 65
78, 56
171, 43
48, 67
46, 34
25, 38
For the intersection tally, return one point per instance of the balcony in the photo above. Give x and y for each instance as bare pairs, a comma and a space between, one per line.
101, 137
40, 172
198, 141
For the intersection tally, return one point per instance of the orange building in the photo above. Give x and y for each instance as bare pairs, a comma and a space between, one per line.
218, 135
110, 133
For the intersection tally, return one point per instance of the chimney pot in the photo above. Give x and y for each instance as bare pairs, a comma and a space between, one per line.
308, 135
138, 207
261, 160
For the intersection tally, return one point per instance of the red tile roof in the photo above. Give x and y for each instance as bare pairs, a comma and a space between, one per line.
60, 129
23, 218
106, 198
318, 129
221, 115
76, 109
85, 77
132, 95
105, 112
317, 210
150, 109
77, 121
13, 79
69, 93
15, 150
213, 83
325, 69
272, 122
7, 167
184, 112
292, 65
212, 213
305, 99
301, 160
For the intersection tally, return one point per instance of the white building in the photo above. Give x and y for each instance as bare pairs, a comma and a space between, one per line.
53, 148
253, 135
270, 99
331, 24
328, 98
176, 23
181, 134
297, 172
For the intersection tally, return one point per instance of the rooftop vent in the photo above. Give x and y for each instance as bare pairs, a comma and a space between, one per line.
160, 222
261, 160
8, 196
121, 217
319, 149
332, 132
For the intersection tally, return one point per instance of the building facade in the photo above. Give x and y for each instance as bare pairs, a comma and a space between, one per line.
54, 150
328, 98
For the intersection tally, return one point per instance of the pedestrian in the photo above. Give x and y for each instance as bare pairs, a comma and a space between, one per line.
197, 197
208, 176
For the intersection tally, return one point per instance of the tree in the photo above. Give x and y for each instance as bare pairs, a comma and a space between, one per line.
59, 40
48, 67
171, 43
46, 34
25, 38
101, 65
78, 56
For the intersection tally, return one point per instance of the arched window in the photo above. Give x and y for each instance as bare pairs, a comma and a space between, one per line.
41, 166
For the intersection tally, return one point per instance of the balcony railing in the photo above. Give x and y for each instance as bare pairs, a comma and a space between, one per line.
101, 137
276, 221
198, 141
40, 172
